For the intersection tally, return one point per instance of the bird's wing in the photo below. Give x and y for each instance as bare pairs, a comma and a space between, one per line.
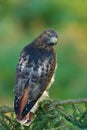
31, 80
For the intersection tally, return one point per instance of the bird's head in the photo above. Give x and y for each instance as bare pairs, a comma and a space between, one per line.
50, 37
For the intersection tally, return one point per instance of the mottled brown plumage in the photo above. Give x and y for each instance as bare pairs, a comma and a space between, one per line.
34, 74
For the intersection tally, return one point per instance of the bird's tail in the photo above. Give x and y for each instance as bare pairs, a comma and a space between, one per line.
23, 108
26, 120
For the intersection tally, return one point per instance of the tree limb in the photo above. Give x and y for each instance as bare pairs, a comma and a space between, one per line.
70, 101
6, 109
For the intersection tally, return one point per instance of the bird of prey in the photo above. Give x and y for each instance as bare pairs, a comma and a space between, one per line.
34, 75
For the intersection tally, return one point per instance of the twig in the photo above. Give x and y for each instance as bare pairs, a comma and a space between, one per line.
6, 109
70, 101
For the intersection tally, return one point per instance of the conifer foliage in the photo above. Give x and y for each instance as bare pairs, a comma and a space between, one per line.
51, 115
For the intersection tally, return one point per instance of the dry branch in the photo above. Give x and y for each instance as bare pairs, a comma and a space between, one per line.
6, 109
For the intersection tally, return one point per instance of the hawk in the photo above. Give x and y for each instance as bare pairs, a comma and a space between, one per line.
34, 75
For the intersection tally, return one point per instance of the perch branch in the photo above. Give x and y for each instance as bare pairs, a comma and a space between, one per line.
70, 101
6, 109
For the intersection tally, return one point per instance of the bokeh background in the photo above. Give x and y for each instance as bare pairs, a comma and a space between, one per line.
23, 20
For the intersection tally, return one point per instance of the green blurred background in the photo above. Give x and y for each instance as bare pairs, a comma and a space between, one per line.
23, 20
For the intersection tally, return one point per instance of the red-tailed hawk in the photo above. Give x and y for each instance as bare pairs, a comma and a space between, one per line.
34, 75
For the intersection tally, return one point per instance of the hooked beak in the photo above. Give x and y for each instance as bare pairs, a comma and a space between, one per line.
53, 40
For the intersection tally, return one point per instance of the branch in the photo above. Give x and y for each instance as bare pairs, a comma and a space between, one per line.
70, 101
6, 109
